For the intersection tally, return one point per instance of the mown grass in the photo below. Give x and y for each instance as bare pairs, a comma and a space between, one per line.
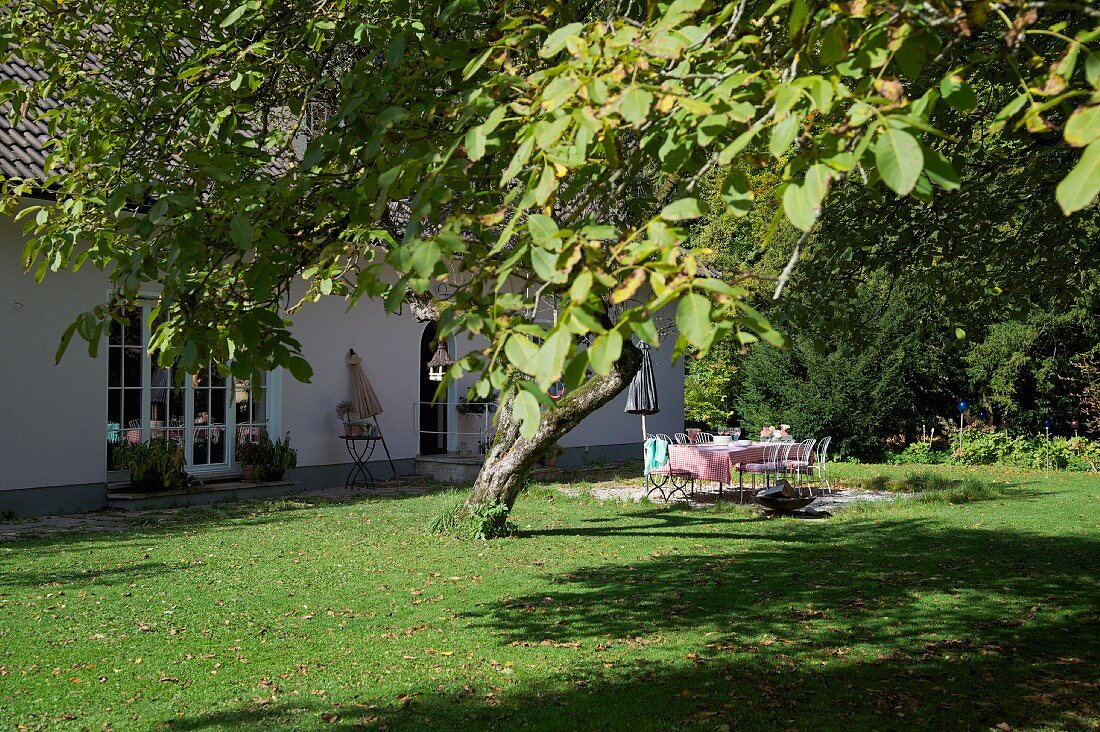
304, 615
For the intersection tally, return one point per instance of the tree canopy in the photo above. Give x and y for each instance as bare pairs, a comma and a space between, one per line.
481, 145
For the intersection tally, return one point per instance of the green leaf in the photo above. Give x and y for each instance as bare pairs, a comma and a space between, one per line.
960, 334
582, 285
551, 359
475, 143
693, 317
425, 257
783, 134
729, 152
681, 210
476, 63
605, 351
737, 192
958, 93
834, 44
395, 51
1092, 69
1080, 187
939, 169
545, 264
234, 16
543, 228
899, 158
521, 353
525, 408
798, 208
634, 107
240, 231
1083, 126
556, 41
300, 369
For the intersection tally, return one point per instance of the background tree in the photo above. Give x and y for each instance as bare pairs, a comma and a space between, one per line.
511, 137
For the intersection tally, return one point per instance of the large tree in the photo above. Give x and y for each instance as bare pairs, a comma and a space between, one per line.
522, 152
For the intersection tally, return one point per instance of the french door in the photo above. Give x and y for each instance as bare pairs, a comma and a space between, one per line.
204, 412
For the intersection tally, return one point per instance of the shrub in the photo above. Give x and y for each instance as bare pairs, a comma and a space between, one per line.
921, 453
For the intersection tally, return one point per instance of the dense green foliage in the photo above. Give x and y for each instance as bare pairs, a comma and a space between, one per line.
960, 612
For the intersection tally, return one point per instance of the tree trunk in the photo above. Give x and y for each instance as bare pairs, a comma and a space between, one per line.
511, 457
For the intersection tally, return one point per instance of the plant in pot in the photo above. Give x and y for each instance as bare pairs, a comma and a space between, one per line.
344, 410
266, 460
155, 465
280, 458
250, 454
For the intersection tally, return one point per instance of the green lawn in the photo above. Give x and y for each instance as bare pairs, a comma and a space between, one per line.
927, 615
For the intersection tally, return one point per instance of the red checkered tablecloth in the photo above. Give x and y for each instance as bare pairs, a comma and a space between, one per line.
712, 462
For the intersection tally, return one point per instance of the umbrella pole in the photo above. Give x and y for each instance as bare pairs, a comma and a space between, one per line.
643, 429
384, 445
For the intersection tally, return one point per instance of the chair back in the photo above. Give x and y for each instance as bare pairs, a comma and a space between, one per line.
822, 449
771, 453
805, 451
663, 436
681, 438
706, 437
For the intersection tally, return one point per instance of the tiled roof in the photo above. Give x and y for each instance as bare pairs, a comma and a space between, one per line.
21, 155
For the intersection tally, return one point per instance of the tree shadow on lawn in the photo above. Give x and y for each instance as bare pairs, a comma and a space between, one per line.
949, 686
891, 625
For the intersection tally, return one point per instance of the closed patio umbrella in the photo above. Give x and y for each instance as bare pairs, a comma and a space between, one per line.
641, 395
366, 401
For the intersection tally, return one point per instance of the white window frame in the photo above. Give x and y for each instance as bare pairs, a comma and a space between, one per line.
273, 394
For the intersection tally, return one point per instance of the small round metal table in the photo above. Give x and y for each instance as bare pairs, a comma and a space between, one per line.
360, 447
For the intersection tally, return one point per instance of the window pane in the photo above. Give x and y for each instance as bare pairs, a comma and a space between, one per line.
217, 445
114, 334
132, 332
133, 367
158, 394
114, 406
132, 408
114, 367
259, 408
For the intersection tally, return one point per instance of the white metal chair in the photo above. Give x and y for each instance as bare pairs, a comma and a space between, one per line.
820, 470
768, 467
681, 438
800, 460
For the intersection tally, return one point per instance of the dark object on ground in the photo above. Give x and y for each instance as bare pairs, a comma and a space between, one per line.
782, 498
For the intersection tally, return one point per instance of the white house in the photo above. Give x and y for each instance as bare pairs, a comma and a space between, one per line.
58, 422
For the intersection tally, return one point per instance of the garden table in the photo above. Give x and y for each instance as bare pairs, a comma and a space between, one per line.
713, 462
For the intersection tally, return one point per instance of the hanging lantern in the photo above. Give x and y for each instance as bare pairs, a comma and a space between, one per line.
962, 405
440, 362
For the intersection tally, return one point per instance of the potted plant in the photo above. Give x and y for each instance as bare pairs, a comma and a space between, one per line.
280, 458
266, 460
343, 412
155, 465
250, 454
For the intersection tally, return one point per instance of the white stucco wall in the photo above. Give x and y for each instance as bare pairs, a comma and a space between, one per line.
390, 348
52, 417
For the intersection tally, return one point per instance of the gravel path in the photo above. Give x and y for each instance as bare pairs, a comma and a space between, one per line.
826, 502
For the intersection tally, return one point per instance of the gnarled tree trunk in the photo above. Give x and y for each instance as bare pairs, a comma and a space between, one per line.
511, 456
